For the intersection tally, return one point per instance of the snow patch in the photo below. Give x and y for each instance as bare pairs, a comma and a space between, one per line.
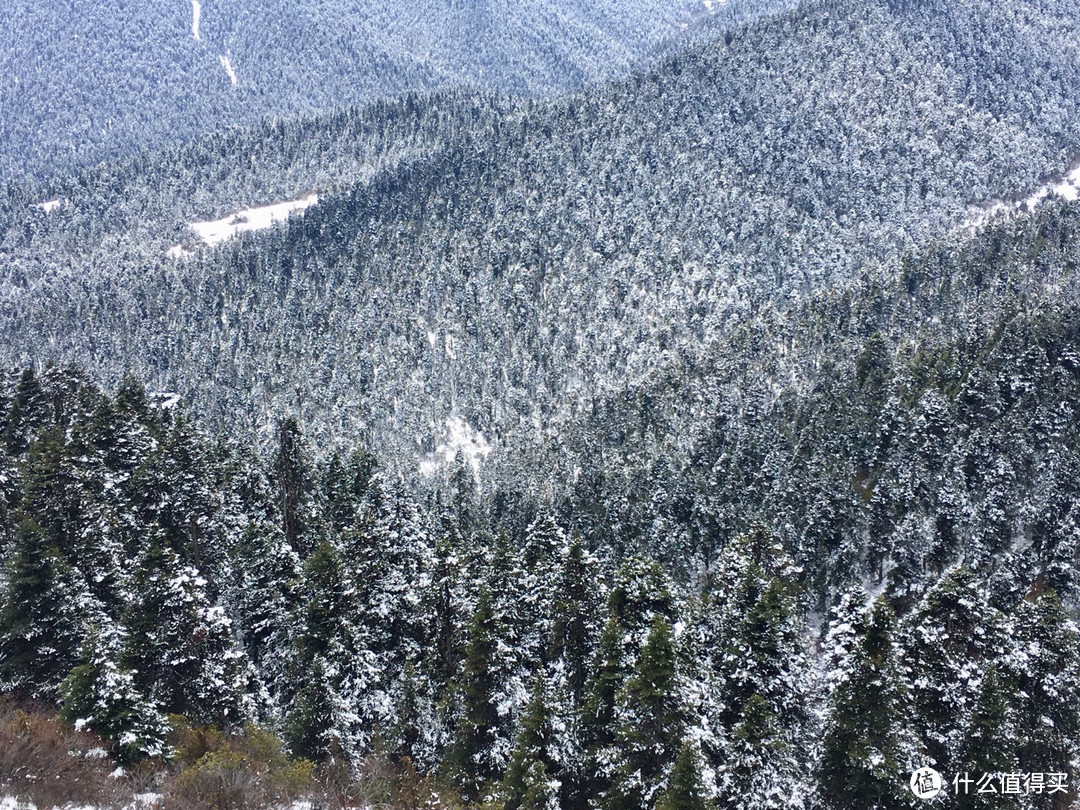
49, 205
196, 14
250, 219
458, 438
165, 400
226, 62
1066, 187
178, 252
144, 800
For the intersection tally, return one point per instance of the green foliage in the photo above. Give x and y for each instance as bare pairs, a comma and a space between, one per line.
684, 790
867, 741
101, 696
41, 617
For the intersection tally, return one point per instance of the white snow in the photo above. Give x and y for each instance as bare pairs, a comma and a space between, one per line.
178, 252
459, 437
196, 13
250, 219
49, 205
143, 800
1066, 187
226, 62
166, 400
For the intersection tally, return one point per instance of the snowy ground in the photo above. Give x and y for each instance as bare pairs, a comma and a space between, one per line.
196, 13
178, 252
459, 438
1066, 187
141, 801
251, 219
49, 206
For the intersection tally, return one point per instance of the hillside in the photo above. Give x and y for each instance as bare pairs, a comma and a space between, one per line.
506, 263
865, 509
112, 79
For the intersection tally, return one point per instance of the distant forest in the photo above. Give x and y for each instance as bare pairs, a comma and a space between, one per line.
690, 439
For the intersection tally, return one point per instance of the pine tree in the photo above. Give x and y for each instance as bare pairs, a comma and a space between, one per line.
757, 672
1044, 669
294, 479
541, 791
101, 696
650, 721
472, 761
950, 633
180, 645
867, 746
684, 790
534, 745
27, 413
264, 576
990, 742
639, 596
344, 484
391, 562
42, 617
575, 618
311, 722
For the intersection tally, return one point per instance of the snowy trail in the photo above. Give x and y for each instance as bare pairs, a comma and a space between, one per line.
196, 14
226, 63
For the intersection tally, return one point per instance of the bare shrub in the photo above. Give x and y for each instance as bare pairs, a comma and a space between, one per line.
45, 761
246, 771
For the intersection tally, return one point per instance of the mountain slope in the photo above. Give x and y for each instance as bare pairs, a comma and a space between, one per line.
506, 263
112, 78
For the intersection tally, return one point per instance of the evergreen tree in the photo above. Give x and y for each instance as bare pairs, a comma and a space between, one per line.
867, 747
575, 618
310, 727
534, 746
101, 696
26, 414
180, 645
650, 721
390, 561
42, 616
990, 742
262, 591
541, 791
640, 595
294, 479
472, 761
684, 790
951, 632
1044, 668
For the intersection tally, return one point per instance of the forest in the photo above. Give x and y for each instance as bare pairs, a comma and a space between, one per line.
676, 427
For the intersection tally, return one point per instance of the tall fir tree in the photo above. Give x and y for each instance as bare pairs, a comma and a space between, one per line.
867, 745
180, 645
42, 617
472, 760
684, 789
650, 720
102, 696
1044, 670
